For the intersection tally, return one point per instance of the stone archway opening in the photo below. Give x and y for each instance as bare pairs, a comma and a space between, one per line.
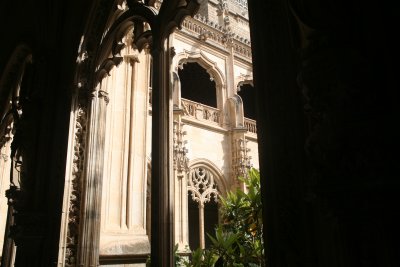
197, 85
248, 95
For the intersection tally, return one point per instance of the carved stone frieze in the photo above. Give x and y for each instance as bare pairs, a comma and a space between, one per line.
201, 112
75, 198
205, 30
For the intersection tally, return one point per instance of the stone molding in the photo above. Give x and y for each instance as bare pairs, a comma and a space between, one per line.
199, 27
76, 187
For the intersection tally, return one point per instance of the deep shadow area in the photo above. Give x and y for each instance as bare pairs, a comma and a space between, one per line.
196, 85
248, 95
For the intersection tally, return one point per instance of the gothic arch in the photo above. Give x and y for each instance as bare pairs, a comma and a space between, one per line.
210, 166
99, 52
210, 66
199, 57
205, 185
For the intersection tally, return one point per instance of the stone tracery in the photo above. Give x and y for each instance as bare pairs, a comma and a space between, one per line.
202, 185
203, 188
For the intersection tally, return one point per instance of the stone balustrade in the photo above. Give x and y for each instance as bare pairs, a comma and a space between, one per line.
201, 111
211, 115
250, 125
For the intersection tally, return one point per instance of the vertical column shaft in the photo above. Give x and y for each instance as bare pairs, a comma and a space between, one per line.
201, 225
88, 251
162, 243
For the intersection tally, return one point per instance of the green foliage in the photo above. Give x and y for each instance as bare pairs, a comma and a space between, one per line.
238, 241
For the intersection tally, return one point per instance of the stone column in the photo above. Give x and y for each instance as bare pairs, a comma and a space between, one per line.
162, 237
201, 226
88, 250
71, 210
181, 169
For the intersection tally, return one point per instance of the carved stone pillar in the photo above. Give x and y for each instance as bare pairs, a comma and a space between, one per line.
88, 250
181, 169
170, 15
69, 232
241, 160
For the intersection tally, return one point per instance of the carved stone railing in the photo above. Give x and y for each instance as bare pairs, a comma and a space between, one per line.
200, 27
250, 125
201, 112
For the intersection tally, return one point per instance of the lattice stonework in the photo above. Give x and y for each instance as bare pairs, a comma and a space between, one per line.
203, 189
202, 186
242, 3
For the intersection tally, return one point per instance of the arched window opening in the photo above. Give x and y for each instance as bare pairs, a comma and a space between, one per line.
211, 220
197, 85
248, 95
202, 206
194, 227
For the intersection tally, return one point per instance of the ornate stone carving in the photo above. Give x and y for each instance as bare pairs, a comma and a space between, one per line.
201, 112
180, 151
241, 159
241, 3
205, 30
202, 186
75, 198
203, 189
222, 7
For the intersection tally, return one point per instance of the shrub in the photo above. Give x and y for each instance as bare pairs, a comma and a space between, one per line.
238, 240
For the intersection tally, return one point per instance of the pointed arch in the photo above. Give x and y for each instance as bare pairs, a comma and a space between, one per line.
199, 57
209, 66
205, 185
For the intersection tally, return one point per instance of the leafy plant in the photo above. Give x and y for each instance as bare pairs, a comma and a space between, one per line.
238, 240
